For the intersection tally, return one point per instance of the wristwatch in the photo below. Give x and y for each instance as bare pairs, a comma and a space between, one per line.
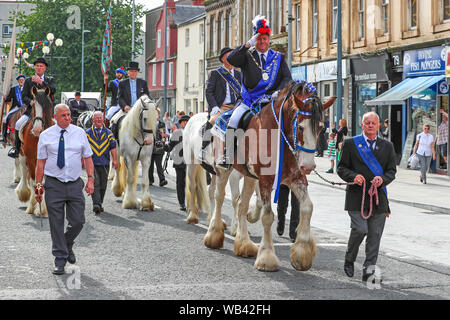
91, 177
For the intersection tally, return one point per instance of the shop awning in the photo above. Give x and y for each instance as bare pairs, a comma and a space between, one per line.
404, 90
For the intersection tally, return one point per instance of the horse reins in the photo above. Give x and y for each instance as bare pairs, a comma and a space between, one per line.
373, 191
143, 130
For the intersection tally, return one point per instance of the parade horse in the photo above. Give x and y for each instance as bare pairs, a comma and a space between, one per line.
10, 138
41, 119
135, 144
297, 128
197, 198
85, 119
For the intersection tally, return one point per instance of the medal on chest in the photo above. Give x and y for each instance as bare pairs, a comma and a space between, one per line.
265, 76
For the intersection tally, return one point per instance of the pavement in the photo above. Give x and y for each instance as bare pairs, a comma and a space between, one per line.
405, 189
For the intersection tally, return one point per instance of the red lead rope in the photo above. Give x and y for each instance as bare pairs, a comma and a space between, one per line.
372, 191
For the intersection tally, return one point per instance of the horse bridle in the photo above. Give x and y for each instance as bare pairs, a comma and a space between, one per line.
143, 130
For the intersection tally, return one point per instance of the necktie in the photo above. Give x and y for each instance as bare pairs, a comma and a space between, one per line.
60, 159
263, 61
371, 142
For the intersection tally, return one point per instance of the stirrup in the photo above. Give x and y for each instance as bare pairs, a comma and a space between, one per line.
13, 153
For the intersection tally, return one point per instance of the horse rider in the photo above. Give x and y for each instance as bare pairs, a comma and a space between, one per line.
223, 88
113, 87
77, 106
15, 95
264, 73
129, 91
41, 81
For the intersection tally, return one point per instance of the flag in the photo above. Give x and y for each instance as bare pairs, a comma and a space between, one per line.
106, 48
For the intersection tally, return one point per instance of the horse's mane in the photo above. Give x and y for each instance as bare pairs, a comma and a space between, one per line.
132, 123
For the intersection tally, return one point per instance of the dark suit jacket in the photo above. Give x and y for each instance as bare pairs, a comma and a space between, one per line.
76, 109
12, 97
27, 96
351, 164
114, 91
240, 58
124, 95
216, 89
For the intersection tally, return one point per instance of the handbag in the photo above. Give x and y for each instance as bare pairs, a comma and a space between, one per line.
414, 162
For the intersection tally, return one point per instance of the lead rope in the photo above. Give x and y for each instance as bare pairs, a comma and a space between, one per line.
373, 191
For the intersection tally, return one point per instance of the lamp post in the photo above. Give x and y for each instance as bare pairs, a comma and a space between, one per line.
82, 55
46, 49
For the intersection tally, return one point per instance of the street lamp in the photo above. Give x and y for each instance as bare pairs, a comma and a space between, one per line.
46, 49
82, 56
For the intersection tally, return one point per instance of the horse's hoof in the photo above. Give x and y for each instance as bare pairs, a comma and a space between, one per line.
246, 248
267, 261
224, 225
214, 239
303, 254
192, 220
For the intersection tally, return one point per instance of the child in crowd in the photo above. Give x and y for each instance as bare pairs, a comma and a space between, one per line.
331, 150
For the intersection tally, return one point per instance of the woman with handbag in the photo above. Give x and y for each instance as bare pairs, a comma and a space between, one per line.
424, 149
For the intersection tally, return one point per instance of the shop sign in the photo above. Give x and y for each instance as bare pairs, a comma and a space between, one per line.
371, 69
299, 73
325, 71
442, 88
424, 62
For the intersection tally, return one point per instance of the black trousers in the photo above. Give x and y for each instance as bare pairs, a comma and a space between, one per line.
181, 184
100, 184
156, 159
283, 201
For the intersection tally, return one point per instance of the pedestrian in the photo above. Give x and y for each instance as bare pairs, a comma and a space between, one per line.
331, 150
61, 150
176, 123
175, 146
102, 144
442, 136
424, 149
77, 106
191, 114
15, 97
113, 88
158, 153
341, 132
385, 130
370, 160
41, 81
282, 205
168, 122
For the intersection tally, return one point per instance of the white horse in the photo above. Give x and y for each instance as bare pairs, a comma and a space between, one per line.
197, 197
135, 144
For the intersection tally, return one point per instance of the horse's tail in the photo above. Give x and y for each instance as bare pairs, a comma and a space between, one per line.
119, 187
202, 197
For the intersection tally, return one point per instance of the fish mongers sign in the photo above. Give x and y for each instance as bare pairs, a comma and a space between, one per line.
424, 62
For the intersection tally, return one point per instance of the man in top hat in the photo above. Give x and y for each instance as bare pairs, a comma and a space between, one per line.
77, 106
113, 87
40, 81
15, 95
130, 90
264, 73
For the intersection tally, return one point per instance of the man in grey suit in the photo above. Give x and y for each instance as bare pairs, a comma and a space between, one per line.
366, 159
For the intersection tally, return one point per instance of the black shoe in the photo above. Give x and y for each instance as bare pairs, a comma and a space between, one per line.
182, 208
163, 183
71, 258
101, 209
58, 271
280, 225
349, 269
421, 180
97, 209
292, 234
13, 153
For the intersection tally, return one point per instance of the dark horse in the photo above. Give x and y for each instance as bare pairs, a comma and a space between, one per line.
302, 113
41, 119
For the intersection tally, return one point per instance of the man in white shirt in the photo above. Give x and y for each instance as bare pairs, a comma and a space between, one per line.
61, 150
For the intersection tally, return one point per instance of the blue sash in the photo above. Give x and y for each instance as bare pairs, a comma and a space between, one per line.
19, 96
116, 82
252, 96
368, 157
231, 80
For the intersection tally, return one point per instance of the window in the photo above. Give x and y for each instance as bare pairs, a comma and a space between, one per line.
412, 14
200, 72
230, 29
385, 15
222, 31
334, 16
314, 23
214, 35
186, 75
154, 75
159, 38
170, 73
361, 19
187, 105
444, 11
7, 30
297, 27
201, 33
186, 37
162, 73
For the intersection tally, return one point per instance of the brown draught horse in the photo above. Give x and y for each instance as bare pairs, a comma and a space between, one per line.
302, 121
42, 118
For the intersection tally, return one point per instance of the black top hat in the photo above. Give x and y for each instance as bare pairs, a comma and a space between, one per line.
224, 51
41, 60
133, 65
77, 93
184, 118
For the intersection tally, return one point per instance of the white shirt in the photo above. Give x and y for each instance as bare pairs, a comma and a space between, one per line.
265, 56
76, 146
367, 141
425, 142
228, 95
